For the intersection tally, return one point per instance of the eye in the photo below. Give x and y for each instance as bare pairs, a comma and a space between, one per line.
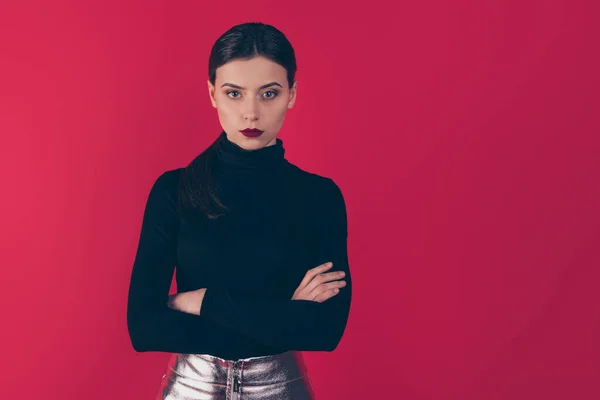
274, 92
232, 91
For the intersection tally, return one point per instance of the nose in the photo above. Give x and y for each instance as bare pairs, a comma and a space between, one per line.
250, 110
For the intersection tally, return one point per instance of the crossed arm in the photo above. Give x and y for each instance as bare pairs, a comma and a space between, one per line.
228, 319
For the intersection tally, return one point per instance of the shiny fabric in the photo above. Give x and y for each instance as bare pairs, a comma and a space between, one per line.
205, 377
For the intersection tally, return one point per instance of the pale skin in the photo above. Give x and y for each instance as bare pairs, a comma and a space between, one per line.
255, 93
252, 93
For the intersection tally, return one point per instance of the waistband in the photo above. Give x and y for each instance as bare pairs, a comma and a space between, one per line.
280, 376
263, 370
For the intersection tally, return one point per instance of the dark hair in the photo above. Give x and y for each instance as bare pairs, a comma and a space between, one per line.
244, 41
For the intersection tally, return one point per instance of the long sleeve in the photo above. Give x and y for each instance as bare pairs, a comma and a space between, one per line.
295, 324
152, 325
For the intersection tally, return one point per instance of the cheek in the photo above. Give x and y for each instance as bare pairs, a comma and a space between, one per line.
226, 109
276, 110
281, 111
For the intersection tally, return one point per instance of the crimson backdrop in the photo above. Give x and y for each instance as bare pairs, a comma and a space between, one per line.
464, 135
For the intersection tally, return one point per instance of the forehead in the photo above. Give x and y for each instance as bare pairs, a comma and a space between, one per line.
251, 73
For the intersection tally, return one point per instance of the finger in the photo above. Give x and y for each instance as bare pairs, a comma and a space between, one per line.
324, 287
322, 279
313, 284
314, 272
332, 276
326, 295
320, 268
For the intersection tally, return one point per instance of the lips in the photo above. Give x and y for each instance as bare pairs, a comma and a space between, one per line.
252, 132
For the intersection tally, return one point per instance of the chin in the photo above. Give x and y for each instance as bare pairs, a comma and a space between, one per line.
250, 143
255, 143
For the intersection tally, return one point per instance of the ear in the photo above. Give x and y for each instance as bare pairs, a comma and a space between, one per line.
292, 98
211, 93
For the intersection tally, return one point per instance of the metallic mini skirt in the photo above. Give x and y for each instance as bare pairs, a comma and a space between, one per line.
205, 377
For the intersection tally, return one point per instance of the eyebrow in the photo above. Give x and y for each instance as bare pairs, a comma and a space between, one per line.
262, 87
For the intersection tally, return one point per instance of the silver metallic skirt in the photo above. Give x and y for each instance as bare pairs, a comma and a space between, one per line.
205, 377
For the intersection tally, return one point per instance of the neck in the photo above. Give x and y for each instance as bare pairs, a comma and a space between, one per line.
231, 156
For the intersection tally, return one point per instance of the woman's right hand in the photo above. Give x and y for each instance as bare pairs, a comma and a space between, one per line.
318, 286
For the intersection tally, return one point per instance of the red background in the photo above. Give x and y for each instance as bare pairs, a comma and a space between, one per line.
464, 135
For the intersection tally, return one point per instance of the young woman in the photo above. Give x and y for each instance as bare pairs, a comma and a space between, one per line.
259, 245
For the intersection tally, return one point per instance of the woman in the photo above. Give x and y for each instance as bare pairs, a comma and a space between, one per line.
251, 235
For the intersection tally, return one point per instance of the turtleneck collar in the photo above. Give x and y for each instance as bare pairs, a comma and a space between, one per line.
230, 155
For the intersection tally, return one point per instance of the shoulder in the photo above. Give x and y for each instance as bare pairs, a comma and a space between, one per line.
323, 199
170, 177
167, 183
317, 192
317, 184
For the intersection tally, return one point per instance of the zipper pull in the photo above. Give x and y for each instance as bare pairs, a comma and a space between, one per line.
236, 382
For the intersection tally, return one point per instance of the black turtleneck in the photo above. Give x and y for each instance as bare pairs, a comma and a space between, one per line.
282, 221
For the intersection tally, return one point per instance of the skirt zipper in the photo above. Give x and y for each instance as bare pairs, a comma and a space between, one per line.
236, 382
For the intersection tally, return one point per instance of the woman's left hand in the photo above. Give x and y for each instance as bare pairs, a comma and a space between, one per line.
188, 302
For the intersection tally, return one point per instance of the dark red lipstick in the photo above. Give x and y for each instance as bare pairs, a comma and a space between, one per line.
252, 132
